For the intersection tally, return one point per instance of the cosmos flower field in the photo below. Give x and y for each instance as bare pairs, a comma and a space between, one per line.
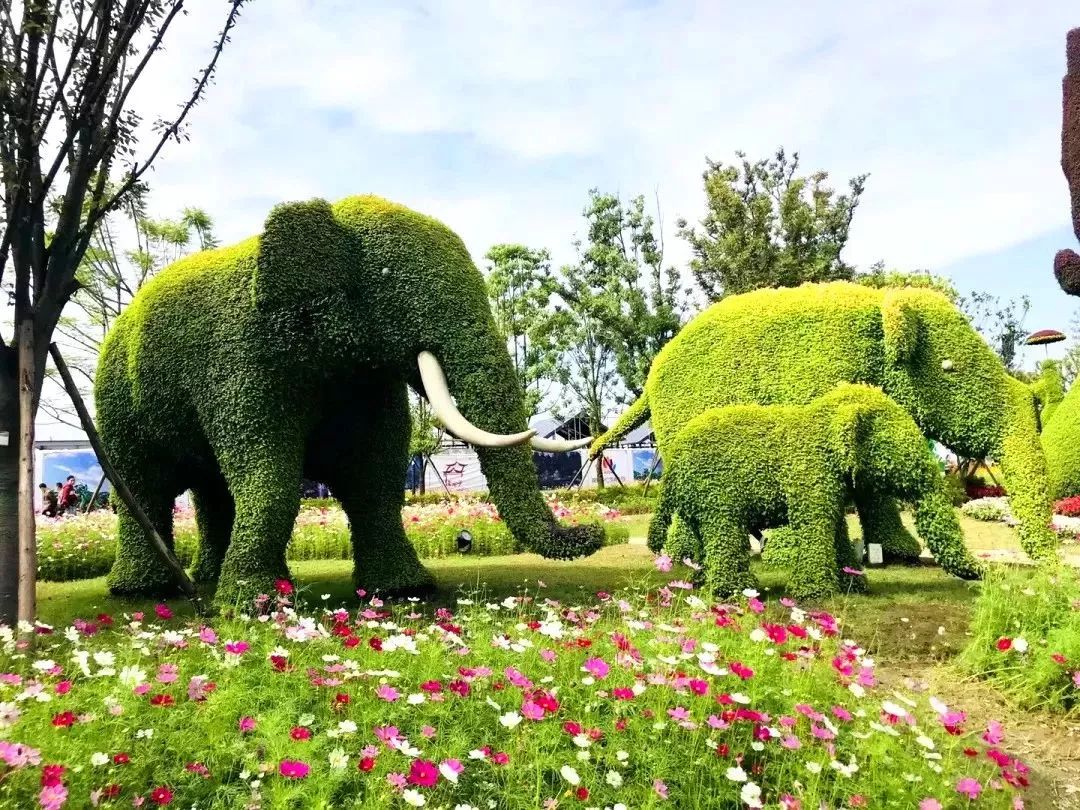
637, 699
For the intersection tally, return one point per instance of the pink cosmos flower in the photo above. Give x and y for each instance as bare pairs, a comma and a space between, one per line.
167, 673
294, 769
663, 563
532, 711
678, 714
969, 787
929, 804
52, 797
246, 724
756, 605
1076, 679
660, 788
237, 647
387, 734
387, 693
548, 655
207, 635
789, 802
596, 667
994, 733
163, 611
428, 732
397, 780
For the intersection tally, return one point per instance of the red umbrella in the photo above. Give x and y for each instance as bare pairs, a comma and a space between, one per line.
1044, 337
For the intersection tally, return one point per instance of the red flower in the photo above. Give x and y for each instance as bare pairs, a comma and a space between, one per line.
501, 758
423, 773
1058, 658
110, 791
51, 775
121, 759
375, 643
366, 764
279, 662
161, 700
63, 720
460, 688
161, 796
582, 793
1004, 644
341, 700
104, 619
163, 612
283, 586
300, 733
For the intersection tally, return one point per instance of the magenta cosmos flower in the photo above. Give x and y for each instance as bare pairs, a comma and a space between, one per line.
294, 769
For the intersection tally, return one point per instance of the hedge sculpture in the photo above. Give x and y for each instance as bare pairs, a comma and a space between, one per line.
236, 372
1061, 442
1049, 390
738, 468
790, 346
1067, 262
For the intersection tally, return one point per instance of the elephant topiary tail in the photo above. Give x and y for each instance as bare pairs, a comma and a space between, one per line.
661, 521
634, 416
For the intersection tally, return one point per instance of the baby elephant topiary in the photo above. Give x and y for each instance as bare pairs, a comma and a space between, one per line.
742, 468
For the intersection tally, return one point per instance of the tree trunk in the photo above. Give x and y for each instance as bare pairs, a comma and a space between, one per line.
9, 481
595, 428
27, 536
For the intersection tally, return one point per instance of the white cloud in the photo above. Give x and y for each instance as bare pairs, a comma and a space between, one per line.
952, 108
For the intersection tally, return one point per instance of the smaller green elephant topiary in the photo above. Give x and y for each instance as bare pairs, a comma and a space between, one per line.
742, 468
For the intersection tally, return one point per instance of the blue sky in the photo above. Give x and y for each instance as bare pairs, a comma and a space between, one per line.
497, 117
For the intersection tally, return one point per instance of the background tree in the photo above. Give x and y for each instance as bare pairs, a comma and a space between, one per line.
765, 226
127, 248
879, 277
67, 70
520, 286
638, 303
1001, 323
1070, 363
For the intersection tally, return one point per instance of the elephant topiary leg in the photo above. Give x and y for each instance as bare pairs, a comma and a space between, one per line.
879, 515
845, 558
265, 482
815, 572
370, 483
137, 570
214, 514
726, 558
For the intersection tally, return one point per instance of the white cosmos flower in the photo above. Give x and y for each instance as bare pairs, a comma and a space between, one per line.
338, 759
347, 727
582, 740
813, 767
751, 795
1020, 644
757, 635
570, 775
925, 741
414, 797
132, 676
736, 774
98, 759
749, 593
510, 719
44, 665
622, 756
9, 714
415, 699
614, 778
104, 658
448, 773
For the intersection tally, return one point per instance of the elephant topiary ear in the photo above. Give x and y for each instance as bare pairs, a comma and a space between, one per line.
900, 324
304, 253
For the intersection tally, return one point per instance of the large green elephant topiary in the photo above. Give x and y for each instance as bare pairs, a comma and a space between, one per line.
740, 468
790, 346
237, 371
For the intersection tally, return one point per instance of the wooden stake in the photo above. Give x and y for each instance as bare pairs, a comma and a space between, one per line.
121, 488
97, 491
27, 534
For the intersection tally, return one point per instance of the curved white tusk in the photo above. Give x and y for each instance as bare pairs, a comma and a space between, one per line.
442, 405
558, 445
